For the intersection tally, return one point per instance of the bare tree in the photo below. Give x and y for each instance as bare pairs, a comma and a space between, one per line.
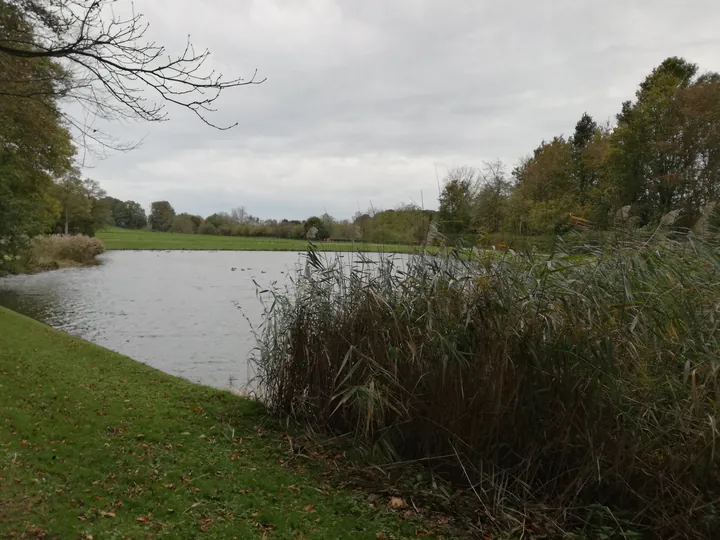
239, 214
109, 67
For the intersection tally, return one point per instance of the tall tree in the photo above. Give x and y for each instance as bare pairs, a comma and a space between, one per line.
664, 145
35, 145
80, 203
130, 215
584, 176
492, 198
545, 183
455, 213
161, 216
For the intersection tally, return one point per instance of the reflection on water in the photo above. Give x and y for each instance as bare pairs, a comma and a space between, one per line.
176, 311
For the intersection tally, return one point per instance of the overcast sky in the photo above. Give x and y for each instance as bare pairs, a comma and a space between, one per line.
364, 99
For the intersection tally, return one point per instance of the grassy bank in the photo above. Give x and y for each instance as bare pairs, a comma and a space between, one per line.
95, 445
578, 393
116, 238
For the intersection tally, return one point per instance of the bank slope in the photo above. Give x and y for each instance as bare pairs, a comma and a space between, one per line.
94, 444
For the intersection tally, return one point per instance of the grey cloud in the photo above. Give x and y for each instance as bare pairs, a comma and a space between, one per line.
364, 98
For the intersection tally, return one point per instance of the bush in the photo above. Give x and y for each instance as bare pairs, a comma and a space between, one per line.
207, 228
241, 230
580, 386
57, 251
183, 223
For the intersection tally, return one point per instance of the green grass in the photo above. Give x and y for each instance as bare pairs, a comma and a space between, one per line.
117, 239
96, 445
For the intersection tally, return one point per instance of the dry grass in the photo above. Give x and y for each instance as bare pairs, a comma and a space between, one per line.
61, 251
580, 391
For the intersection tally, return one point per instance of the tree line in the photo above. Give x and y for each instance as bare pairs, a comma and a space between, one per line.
660, 157
407, 224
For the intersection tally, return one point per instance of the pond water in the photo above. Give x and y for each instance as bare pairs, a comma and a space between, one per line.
183, 312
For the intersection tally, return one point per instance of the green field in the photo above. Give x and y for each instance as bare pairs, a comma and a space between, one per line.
115, 239
96, 445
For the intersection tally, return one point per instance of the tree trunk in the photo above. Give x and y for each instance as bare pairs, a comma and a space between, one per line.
67, 221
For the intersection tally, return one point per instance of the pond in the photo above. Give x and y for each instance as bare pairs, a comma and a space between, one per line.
187, 313
183, 312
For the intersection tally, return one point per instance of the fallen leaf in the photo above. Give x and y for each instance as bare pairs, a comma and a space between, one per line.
107, 514
310, 508
397, 503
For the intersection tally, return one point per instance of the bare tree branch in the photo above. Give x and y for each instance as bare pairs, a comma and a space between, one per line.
110, 64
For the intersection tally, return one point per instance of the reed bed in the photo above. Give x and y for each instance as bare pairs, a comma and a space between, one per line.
584, 388
59, 251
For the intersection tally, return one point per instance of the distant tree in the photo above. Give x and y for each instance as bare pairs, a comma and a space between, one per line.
161, 216
239, 214
665, 146
585, 177
491, 200
73, 200
197, 221
207, 228
298, 231
363, 224
79, 200
328, 224
111, 203
102, 212
183, 223
545, 182
130, 215
221, 219
321, 232
455, 213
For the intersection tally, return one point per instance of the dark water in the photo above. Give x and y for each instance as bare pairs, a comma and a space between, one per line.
179, 311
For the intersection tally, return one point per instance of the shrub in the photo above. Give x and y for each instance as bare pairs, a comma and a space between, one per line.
56, 251
569, 382
241, 230
207, 228
183, 223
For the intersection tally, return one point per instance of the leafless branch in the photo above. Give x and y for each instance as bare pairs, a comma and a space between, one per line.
111, 64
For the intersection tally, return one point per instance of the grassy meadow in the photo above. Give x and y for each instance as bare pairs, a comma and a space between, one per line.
96, 445
119, 239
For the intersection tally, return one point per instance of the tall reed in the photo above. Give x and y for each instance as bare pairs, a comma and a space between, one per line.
575, 382
58, 250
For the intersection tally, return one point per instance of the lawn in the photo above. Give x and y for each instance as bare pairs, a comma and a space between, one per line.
96, 445
115, 238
